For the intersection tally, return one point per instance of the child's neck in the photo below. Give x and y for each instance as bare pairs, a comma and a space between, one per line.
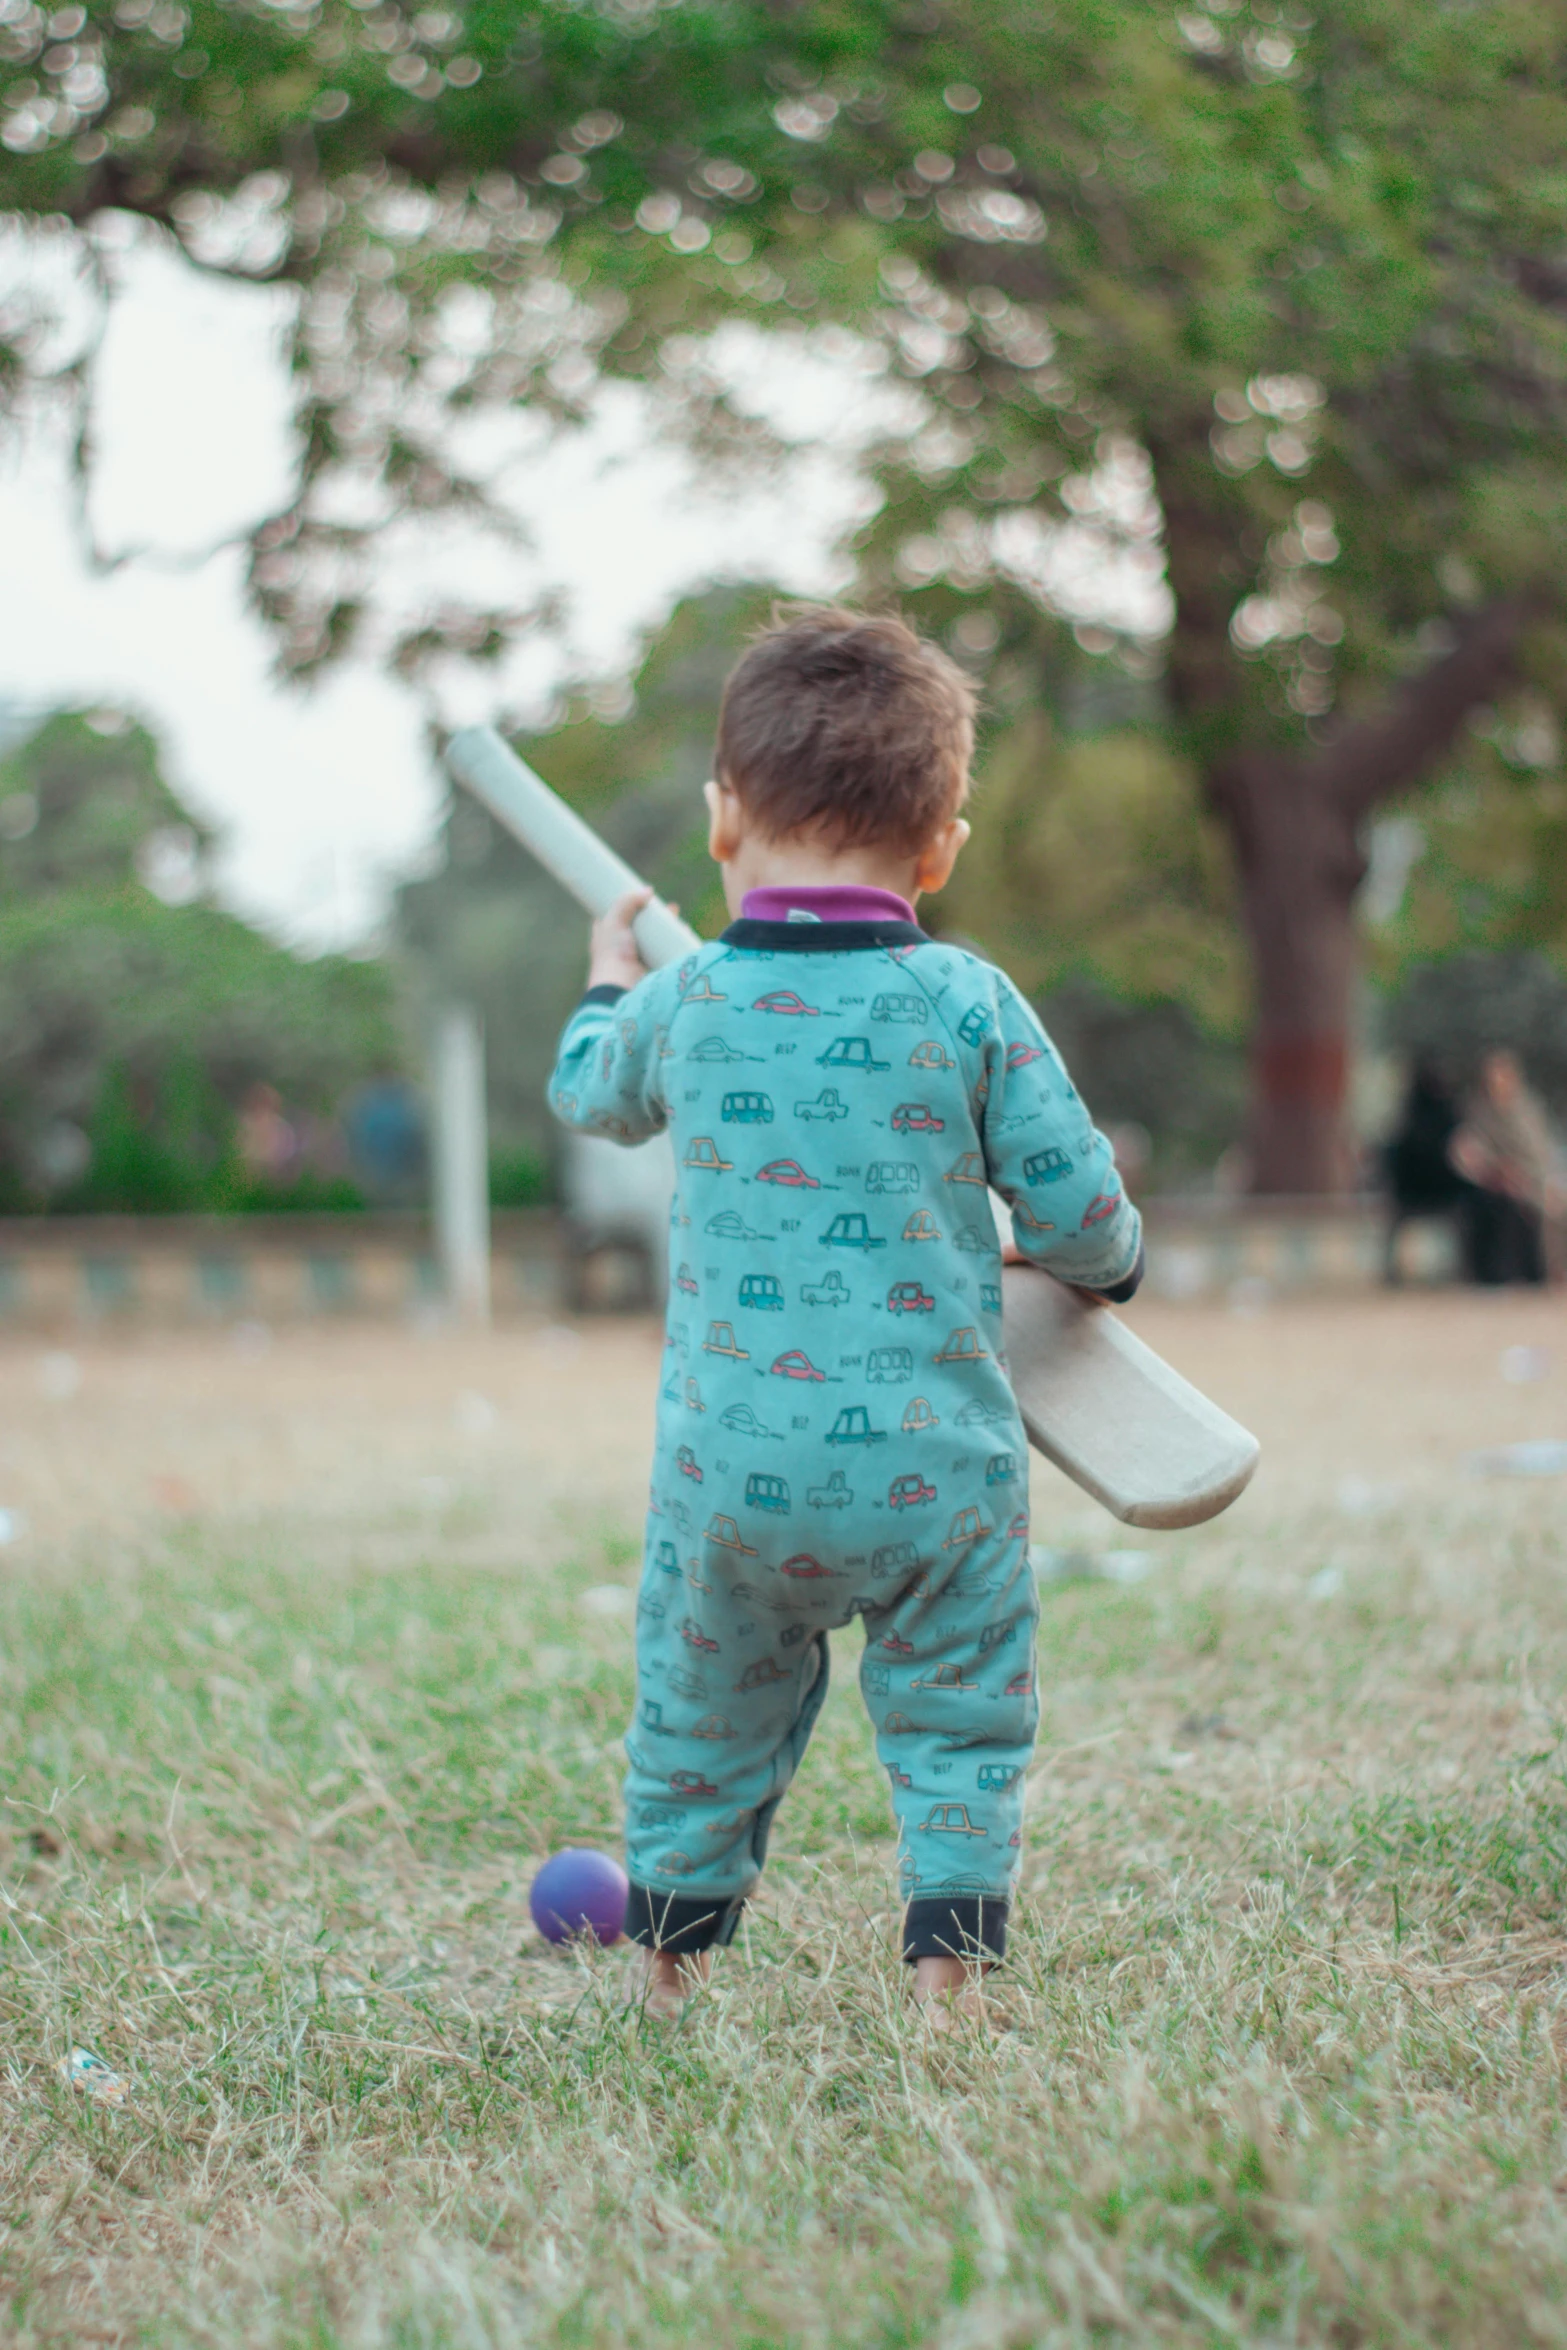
802, 863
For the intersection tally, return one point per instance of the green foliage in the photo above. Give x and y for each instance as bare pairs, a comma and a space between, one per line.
518, 1179
1288, 260
140, 1025
1491, 871
133, 1167
1093, 859
1096, 877
1267, 309
80, 801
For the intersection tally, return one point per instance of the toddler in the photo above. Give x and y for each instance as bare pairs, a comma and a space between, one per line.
836, 1432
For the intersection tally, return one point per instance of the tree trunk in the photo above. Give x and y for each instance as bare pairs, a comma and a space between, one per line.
1294, 816
1300, 865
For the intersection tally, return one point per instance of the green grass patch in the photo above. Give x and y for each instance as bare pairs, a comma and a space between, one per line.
1275, 2060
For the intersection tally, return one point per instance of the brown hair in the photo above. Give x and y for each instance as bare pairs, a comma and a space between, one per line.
849, 724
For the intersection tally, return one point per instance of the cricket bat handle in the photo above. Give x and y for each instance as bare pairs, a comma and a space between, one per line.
564, 845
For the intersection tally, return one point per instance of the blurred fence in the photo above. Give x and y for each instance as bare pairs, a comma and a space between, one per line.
57, 1272
64, 1270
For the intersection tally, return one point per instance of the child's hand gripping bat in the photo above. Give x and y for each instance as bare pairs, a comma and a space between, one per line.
1095, 1400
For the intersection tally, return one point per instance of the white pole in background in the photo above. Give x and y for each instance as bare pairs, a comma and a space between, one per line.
462, 1163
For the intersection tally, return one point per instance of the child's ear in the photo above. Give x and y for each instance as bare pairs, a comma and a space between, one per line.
939, 855
725, 822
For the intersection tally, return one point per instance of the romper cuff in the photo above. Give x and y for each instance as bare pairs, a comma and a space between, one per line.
1120, 1293
605, 993
676, 1921
956, 1925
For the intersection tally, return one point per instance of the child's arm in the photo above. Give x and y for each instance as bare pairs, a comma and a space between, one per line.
606, 1075
1050, 1163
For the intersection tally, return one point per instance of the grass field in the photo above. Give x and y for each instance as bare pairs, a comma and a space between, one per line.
312, 1648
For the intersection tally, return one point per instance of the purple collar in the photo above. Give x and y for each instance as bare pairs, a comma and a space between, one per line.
824, 902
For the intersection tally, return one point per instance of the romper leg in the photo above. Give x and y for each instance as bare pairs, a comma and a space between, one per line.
948, 1678
729, 1684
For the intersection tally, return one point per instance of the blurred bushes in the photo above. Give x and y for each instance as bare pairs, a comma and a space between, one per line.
132, 1028
1096, 877
519, 1179
1094, 861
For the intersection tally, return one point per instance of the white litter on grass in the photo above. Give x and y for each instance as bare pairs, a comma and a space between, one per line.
13, 1525
1059, 1566
434, 1492
1326, 1583
59, 1377
553, 1662
473, 1414
95, 2079
607, 1599
1086, 1566
1521, 1366
1362, 1497
1538, 1456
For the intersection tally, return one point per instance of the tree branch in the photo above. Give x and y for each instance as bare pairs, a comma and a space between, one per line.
1377, 756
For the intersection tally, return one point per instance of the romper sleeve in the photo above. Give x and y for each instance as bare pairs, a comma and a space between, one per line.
607, 1077
1048, 1160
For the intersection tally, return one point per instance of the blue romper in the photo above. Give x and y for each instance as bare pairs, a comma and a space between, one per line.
836, 1431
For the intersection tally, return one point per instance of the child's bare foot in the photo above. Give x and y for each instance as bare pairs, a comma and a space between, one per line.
946, 1990
666, 1980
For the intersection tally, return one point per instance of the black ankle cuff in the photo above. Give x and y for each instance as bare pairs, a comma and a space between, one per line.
675, 1921
956, 1925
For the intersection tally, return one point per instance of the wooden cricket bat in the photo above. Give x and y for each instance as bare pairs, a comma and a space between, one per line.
1095, 1400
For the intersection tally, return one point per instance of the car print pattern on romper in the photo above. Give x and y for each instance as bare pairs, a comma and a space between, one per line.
787, 1080
720, 1340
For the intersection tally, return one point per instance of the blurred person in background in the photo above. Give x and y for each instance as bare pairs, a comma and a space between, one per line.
1418, 1163
384, 1127
269, 1147
1504, 1151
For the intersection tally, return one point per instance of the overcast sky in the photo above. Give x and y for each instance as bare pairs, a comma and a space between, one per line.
324, 796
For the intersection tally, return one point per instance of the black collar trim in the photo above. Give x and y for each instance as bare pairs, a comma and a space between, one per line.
822, 938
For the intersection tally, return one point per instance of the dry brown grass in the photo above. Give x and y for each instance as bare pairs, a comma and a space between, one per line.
299, 1679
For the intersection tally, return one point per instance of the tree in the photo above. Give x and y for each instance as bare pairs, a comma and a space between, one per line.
132, 1029
1280, 264
1305, 271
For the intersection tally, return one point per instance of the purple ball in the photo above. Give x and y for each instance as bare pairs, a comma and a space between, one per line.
579, 1892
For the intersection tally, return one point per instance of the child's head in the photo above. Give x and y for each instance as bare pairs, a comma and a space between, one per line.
843, 746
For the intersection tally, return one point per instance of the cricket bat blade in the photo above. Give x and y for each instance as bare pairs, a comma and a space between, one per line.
1113, 1415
